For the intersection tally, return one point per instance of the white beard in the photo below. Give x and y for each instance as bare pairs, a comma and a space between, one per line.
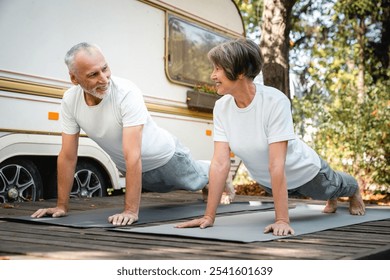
94, 92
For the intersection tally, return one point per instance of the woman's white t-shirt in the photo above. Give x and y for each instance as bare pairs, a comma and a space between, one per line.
250, 130
123, 106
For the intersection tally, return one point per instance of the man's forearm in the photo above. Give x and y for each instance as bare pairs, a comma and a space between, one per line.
133, 188
65, 174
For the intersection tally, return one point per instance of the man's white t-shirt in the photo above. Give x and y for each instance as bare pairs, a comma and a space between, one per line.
123, 106
250, 130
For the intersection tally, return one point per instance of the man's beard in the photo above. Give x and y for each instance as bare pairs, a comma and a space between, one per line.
94, 92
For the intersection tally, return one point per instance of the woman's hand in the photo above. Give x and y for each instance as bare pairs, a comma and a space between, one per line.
123, 219
279, 228
204, 222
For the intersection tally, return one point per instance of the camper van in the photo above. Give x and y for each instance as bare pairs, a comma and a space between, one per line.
160, 45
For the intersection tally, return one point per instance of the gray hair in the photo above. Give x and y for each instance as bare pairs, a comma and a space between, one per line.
236, 57
70, 55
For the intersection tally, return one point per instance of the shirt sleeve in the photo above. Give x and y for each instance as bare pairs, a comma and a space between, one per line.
219, 131
68, 121
280, 123
133, 109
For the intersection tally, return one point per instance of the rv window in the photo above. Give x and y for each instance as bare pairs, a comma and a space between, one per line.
188, 45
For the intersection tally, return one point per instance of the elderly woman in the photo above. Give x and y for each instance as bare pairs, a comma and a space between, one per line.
255, 122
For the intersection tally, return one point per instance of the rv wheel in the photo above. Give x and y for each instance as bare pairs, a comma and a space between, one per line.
19, 181
88, 180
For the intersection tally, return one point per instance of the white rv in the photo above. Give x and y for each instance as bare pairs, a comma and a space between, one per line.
160, 45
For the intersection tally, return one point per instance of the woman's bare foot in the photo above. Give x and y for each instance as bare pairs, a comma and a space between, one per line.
356, 204
331, 206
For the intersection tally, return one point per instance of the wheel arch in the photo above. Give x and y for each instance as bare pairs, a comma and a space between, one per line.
44, 149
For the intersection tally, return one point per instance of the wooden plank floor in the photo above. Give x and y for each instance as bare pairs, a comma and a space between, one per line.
369, 240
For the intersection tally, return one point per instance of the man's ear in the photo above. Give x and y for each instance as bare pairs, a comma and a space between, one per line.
73, 78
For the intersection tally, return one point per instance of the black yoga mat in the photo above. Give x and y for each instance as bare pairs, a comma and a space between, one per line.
148, 214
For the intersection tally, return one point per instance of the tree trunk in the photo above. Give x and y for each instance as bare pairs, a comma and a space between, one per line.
361, 31
274, 43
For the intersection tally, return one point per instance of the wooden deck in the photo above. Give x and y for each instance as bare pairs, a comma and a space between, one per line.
36, 241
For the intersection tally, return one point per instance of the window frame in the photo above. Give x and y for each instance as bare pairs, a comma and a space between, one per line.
199, 27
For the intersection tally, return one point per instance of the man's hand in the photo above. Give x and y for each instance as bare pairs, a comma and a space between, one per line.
54, 212
279, 228
204, 222
123, 219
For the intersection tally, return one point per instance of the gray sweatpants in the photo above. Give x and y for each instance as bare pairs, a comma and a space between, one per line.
327, 184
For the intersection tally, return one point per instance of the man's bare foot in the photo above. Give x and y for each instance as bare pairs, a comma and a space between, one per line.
228, 195
331, 206
356, 204
205, 193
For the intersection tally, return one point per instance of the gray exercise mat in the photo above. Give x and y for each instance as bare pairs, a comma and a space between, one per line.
249, 227
148, 214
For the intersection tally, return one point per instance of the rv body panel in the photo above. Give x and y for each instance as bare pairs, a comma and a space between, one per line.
138, 38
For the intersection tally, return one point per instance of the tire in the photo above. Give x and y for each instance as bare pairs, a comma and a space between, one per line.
89, 181
20, 181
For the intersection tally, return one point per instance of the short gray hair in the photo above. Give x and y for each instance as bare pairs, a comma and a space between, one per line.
70, 55
236, 57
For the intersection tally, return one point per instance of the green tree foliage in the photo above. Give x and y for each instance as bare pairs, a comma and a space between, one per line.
348, 103
251, 12
340, 49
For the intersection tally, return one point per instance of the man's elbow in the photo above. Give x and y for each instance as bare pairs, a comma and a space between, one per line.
133, 162
220, 167
276, 169
67, 157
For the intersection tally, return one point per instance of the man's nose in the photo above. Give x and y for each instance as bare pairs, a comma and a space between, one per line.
103, 78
